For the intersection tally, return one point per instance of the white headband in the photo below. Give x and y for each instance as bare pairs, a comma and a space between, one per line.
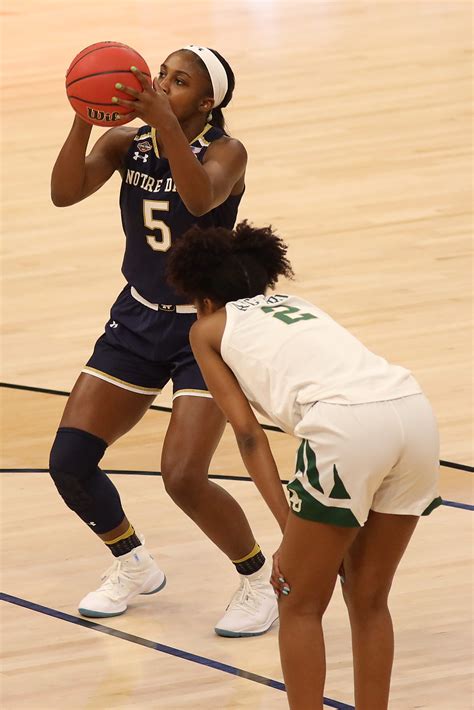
216, 72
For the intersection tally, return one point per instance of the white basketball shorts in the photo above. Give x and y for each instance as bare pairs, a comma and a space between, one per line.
381, 456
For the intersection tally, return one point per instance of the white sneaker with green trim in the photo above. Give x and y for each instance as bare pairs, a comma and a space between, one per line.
253, 608
131, 574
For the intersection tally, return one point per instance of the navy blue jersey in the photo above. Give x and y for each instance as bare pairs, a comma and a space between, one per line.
154, 216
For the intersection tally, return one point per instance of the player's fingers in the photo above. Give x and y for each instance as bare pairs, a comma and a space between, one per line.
278, 582
275, 585
127, 90
156, 86
122, 102
144, 80
129, 116
342, 573
276, 571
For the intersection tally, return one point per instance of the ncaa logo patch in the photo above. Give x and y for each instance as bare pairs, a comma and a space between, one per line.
144, 147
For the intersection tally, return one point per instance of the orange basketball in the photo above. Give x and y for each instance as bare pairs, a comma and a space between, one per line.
91, 79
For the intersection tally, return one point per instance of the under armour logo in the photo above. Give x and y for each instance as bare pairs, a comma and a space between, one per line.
140, 156
113, 324
92, 523
295, 501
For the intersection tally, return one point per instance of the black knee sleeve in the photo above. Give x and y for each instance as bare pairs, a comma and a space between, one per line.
73, 465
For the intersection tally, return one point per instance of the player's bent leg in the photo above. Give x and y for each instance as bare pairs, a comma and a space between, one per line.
194, 432
195, 429
369, 567
310, 557
74, 468
97, 413
103, 409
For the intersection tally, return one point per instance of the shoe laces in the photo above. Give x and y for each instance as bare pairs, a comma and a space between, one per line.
246, 596
113, 576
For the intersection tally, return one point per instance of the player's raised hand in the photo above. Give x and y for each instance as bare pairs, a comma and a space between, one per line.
151, 104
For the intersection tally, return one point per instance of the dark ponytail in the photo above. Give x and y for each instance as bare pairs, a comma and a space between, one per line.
226, 265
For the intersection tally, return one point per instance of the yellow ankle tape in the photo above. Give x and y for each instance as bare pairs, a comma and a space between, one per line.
255, 551
127, 533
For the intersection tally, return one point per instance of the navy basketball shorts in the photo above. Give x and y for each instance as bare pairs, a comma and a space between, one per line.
144, 345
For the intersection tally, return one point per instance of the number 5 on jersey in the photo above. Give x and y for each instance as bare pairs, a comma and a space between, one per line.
161, 240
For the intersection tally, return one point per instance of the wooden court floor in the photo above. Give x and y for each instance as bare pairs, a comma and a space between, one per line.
357, 121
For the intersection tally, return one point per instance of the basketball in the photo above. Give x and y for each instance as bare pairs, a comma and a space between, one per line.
91, 79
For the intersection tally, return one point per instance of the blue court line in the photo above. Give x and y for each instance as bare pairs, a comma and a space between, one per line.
455, 504
156, 407
216, 476
170, 650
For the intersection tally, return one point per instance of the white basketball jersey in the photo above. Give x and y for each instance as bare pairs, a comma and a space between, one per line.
288, 354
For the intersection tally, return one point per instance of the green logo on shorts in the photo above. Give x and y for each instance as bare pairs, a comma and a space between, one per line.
295, 501
306, 505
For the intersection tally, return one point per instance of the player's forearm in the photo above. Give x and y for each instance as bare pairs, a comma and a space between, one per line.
67, 179
192, 182
260, 464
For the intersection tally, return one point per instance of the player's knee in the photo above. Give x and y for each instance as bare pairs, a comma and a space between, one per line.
304, 606
363, 596
183, 482
74, 457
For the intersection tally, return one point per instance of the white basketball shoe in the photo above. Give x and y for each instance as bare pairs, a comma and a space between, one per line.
131, 574
253, 608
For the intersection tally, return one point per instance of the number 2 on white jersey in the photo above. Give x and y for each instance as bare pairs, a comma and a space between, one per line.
289, 314
161, 241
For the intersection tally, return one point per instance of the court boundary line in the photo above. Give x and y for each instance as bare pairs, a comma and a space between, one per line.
157, 646
156, 407
216, 476
154, 645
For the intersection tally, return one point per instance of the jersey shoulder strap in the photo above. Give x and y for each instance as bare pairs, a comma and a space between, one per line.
143, 133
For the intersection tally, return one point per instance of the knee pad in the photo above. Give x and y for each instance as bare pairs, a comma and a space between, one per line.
73, 466
74, 456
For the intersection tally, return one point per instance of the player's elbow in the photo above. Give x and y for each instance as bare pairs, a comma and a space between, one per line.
248, 440
198, 208
59, 198
200, 202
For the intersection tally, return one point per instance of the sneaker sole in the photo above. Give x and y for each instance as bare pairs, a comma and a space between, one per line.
158, 589
103, 614
243, 634
100, 614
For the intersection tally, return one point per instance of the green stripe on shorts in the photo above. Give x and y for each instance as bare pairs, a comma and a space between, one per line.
433, 505
305, 506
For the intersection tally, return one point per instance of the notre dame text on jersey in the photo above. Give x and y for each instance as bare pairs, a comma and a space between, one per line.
154, 216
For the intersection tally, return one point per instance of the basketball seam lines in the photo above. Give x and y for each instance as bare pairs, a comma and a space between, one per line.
108, 46
100, 73
94, 103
